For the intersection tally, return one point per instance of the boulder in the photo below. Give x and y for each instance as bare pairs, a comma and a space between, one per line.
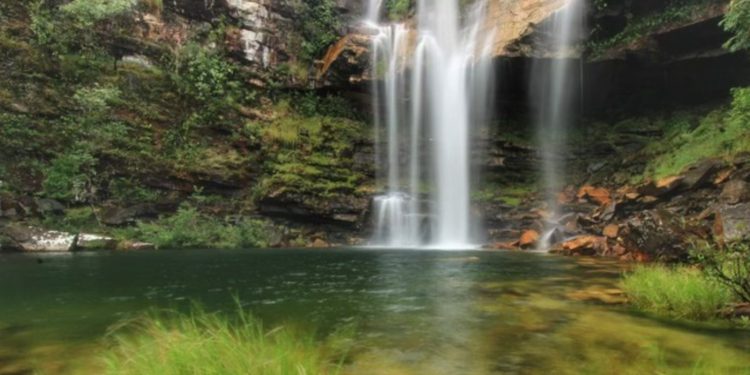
584, 245
566, 196
660, 187
49, 206
120, 216
32, 239
600, 196
319, 244
732, 223
701, 174
529, 239
734, 192
7, 245
661, 234
611, 231
95, 242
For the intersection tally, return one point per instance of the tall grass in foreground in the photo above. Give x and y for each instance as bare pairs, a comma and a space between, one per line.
205, 343
678, 292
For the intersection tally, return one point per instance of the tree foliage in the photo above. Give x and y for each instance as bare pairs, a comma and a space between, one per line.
730, 266
737, 21
318, 24
89, 12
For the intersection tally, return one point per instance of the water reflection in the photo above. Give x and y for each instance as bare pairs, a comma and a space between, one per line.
416, 312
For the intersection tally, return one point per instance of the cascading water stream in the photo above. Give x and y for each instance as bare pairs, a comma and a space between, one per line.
553, 87
430, 93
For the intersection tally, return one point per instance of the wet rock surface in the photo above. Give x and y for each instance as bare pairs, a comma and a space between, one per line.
32, 239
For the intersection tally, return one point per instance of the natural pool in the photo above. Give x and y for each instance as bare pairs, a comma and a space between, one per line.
416, 312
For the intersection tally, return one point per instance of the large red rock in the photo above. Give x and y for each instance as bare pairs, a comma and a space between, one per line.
529, 239
598, 195
584, 245
611, 231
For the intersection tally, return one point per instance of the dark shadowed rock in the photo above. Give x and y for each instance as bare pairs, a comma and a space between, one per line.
701, 174
735, 191
121, 216
660, 187
660, 234
49, 206
732, 223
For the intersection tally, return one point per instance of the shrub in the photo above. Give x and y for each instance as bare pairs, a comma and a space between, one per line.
204, 74
96, 100
69, 176
737, 21
678, 292
398, 9
89, 12
318, 24
190, 229
205, 343
729, 266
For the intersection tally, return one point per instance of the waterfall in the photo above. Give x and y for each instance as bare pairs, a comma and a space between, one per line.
553, 87
430, 93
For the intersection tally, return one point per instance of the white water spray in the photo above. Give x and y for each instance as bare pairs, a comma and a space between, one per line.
431, 95
553, 87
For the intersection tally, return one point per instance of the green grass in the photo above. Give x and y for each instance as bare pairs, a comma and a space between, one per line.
678, 292
205, 343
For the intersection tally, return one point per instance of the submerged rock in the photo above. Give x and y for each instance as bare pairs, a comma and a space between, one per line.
95, 242
135, 246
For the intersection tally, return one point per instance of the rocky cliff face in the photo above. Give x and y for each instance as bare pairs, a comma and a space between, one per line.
316, 180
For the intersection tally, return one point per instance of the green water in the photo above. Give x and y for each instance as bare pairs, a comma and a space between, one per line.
416, 312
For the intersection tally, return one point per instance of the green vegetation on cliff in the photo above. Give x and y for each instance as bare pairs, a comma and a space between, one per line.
189, 229
95, 113
737, 20
689, 139
319, 26
641, 26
